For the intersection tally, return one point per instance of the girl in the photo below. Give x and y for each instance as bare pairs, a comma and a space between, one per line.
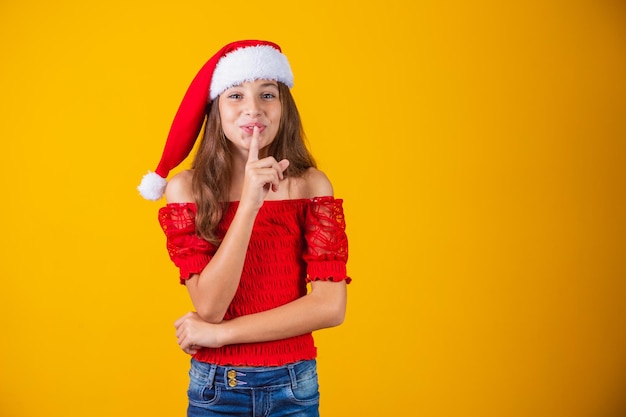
249, 226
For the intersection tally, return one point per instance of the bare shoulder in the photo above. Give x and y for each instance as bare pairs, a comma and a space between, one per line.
315, 183
178, 188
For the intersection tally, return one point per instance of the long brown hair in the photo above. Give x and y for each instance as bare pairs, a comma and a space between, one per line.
212, 164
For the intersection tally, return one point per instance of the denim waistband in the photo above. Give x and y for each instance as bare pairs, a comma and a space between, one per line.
238, 377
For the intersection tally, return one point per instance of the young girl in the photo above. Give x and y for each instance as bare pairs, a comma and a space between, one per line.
249, 226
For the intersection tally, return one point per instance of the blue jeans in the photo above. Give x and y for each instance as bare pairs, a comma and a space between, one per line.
290, 390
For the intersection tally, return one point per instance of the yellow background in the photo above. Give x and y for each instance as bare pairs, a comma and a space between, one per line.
479, 147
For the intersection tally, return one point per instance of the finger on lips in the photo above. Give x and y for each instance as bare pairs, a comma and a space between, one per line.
253, 152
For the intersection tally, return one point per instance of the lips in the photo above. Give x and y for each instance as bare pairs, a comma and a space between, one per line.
249, 127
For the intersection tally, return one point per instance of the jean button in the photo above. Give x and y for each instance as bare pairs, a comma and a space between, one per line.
231, 374
232, 382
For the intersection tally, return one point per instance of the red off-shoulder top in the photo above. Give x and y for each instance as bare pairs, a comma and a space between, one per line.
293, 242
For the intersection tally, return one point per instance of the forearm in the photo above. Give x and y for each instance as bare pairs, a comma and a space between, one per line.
323, 307
214, 288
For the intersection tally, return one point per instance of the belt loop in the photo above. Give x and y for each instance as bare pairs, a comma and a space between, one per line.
212, 375
292, 376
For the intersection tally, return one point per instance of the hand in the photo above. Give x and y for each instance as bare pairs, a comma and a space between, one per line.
193, 333
261, 175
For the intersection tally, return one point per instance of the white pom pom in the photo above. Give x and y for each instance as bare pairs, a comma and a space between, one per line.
152, 186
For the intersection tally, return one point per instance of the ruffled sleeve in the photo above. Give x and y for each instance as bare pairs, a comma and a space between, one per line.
327, 244
189, 252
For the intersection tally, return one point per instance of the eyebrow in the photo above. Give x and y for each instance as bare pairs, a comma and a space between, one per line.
267, 84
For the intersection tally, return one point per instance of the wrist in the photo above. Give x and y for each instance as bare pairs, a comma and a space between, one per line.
245, 217
246, 208
225, 334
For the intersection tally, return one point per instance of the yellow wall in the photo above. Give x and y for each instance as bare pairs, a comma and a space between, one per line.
479, 146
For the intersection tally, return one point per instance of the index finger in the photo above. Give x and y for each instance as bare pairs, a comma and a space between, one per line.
253, 152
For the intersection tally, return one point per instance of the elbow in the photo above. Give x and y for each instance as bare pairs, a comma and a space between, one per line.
210, 315
334, 322
335, 314
209, 310
337, 317
213, 319
331, 300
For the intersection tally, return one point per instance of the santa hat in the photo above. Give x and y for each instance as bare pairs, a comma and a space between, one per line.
234, 64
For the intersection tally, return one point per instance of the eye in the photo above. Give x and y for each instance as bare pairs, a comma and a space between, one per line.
268, 96
235, 96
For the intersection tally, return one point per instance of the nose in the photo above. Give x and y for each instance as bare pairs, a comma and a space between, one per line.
253, 106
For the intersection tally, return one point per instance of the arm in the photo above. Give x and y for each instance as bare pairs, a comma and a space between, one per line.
324, 306
212, 290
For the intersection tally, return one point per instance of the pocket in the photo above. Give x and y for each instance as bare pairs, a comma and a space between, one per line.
307, 387
201, 393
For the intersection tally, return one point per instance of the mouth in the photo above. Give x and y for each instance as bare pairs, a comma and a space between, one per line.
249, 127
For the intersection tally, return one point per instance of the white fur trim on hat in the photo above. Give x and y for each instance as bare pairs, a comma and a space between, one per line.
152, 186
261, 62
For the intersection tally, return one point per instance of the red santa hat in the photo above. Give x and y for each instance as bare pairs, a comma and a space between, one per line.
235, 63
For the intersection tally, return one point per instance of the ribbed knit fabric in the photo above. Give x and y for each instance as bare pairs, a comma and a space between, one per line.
293, 242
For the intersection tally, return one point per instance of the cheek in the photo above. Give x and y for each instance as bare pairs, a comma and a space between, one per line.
276, 115
274, 126
226, 112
